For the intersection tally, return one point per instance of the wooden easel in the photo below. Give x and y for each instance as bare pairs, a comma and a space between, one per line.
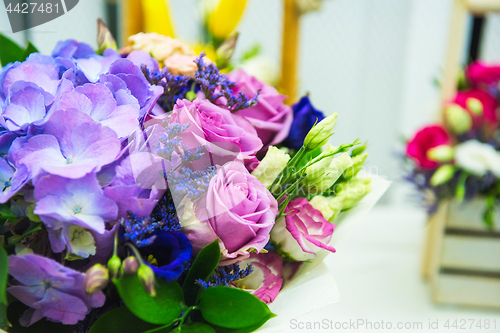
433, 251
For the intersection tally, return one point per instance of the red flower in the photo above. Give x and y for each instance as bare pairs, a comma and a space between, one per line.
479, 72
425, 139
490, 104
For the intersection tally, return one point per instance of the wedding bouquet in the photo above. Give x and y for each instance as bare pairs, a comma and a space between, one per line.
153, 197
461, 158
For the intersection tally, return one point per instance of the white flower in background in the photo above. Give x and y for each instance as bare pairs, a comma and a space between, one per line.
271, 165
262, 68
477, 158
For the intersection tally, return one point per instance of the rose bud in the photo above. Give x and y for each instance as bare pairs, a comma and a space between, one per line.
114, 266
96, 279
442, 175
443, 153
147, 278
458, 119
130, 265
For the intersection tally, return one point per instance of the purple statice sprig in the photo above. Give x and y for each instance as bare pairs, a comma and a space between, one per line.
171, 141
174, 86
140, 231
185, 182
225, 275
216, 85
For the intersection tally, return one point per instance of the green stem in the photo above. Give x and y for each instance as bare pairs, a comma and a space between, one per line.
136, 253
188, 310
115, 245
285, 173
17, 239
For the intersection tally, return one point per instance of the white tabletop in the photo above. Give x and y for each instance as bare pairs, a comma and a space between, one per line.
377, 270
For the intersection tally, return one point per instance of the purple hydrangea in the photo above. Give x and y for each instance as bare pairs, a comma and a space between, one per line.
50, 290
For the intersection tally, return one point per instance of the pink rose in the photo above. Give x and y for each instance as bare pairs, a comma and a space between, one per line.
224, 135
239, 209
479, 72
490, 105
265, 281
180, 64
302, 232
425, 139
271, 117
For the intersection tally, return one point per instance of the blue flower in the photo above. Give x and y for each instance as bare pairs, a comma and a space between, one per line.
304, 118
170, 250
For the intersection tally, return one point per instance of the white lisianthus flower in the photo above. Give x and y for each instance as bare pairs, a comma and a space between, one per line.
477, 158
271, 165
321, 203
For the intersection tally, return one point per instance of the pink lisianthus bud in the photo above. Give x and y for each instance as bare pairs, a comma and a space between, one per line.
130, 265
147, 278
96, 279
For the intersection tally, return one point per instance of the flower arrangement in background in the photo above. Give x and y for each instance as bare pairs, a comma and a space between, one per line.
153, 198
461, 158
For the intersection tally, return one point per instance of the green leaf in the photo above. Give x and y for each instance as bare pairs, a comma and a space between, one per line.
6, 214
164, 308
15, 311
460, 189
120, 320
203, 265
9, 51
30, 48
251, 52
194, 328
248, 329
4, 272
233, 308
489, 213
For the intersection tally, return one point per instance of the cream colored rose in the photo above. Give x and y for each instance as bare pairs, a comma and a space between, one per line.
159, 46
180, 64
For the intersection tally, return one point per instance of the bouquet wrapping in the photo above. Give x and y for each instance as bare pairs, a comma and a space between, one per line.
144, 190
